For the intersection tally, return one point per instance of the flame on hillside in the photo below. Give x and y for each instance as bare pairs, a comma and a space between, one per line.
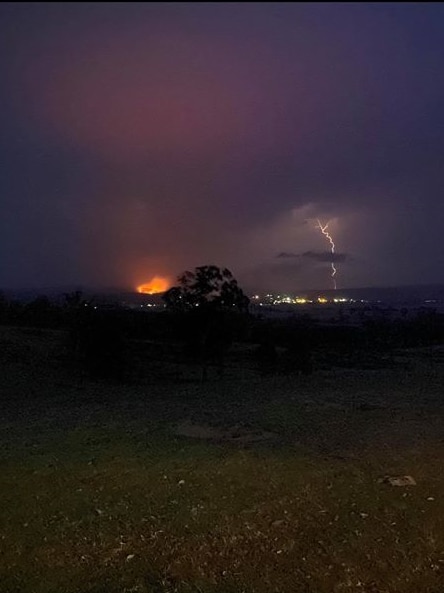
154, 286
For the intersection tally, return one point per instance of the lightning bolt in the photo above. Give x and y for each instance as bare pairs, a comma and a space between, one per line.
323, 229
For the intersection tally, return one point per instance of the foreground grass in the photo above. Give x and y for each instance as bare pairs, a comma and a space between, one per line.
98, 493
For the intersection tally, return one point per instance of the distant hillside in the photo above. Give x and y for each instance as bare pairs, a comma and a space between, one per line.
396, 295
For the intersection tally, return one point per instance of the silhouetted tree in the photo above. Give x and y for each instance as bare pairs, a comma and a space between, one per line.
74, 300
77, 317
101, 345
209, 304
208, 287
40, 312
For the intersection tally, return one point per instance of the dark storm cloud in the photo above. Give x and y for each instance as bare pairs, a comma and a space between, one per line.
145, 138
322, 256
286, 255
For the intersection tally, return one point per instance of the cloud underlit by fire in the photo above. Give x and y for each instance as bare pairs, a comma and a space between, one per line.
156, 285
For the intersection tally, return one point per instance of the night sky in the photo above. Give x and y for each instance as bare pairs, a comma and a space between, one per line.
140, 140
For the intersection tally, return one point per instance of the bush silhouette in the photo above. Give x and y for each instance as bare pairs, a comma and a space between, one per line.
100, 345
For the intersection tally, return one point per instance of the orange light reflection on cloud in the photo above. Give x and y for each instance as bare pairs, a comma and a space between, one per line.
156, 285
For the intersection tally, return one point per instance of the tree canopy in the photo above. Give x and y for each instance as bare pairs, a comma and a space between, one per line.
207, 287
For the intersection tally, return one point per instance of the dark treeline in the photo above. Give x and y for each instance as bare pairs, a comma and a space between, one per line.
119, 344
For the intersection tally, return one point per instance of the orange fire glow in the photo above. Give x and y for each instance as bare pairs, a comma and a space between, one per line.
155, 285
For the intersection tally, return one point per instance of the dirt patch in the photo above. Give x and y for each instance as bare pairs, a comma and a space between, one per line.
233, 434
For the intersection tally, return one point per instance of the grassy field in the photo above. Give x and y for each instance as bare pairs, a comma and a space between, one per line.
243, 485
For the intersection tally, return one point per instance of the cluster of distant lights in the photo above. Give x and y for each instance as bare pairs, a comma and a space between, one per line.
149, 305
271, 299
